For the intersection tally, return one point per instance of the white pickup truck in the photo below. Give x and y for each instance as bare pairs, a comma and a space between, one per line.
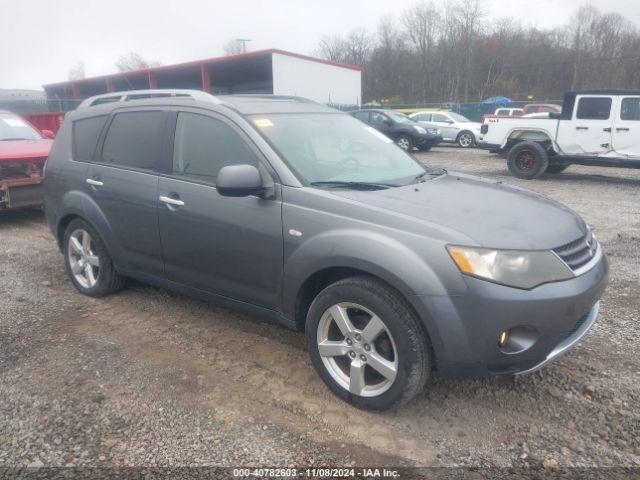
597, 127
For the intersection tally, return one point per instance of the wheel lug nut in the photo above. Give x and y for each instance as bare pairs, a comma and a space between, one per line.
352, 354
349, 341
358, 337
363, 358
367, 347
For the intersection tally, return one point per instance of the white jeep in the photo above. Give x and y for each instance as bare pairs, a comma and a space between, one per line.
597, 127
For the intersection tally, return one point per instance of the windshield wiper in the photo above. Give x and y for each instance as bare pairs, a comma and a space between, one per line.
16, 138
353, 185
436, 172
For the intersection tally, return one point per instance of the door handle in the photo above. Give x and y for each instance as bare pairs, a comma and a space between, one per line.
174, 202
94, 183
608, 129
622, 129
582, 128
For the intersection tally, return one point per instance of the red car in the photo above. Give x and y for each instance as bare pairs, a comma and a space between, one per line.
23, 153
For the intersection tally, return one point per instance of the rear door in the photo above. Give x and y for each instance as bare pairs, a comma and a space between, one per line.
588, 133
224, 245
626, 131
123, 180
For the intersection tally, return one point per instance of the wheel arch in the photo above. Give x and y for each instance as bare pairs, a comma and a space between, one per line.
321, 279
542, 137
79, 205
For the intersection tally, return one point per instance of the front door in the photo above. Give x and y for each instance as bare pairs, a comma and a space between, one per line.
224, 245
626, 131
123, 181
588, 133
383, 124
444, 123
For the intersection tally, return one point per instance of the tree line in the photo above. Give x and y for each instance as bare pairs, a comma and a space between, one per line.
454, 52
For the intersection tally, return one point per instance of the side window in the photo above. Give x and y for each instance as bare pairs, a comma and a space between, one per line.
502, 111
85, 137
203, 145
134, 140
594, 108
423, 117
378, 118
438, 117
630, 109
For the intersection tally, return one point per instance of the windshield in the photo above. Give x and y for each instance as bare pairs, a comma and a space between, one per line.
323, 147
458, 118
399, 117
13, 127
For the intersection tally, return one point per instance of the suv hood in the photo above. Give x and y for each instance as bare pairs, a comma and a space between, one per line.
492, 214
19, 149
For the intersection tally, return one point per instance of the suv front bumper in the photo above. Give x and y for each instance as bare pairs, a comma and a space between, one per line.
464, 329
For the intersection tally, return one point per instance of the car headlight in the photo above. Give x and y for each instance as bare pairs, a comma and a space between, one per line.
420, 130
514, 268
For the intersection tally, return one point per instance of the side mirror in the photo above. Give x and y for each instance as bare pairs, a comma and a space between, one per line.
449, 122
387, 122
48, 134
239, 181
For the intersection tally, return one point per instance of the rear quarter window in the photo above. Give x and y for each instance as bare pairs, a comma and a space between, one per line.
85, 137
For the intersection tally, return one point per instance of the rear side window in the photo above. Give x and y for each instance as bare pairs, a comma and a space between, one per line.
203, 145
630, 109
438, 117
594, 108
85, 137
134, 140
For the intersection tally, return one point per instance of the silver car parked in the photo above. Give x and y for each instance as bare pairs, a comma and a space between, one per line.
455, 128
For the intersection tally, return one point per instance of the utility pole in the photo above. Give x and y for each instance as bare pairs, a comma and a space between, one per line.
243, 44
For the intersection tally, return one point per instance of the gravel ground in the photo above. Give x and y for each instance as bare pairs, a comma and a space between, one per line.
147, 377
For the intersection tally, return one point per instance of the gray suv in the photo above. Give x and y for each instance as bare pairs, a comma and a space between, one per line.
293, 211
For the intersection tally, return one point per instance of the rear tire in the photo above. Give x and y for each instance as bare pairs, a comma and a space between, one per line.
373, 372
527, 160
87, 261
405, 142
557, 168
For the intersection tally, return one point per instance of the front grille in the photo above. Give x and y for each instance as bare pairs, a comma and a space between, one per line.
579, 252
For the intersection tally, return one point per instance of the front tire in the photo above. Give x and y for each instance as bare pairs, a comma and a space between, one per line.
87, 261
466, 139
527, 160
405, 142
367, 344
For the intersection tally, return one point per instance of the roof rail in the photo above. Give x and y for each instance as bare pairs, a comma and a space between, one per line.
128, 95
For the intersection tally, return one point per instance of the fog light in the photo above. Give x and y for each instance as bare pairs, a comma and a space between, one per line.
503, 338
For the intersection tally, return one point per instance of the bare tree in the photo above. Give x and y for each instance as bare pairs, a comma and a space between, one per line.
134, 61
77, 71
449, 51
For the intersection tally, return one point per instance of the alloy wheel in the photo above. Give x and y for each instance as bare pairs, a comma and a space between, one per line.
357, 349
403, 143
465, 140
84, 262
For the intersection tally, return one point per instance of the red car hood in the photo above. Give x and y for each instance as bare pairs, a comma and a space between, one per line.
17, 149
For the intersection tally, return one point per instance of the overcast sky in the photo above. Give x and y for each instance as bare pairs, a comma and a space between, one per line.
41, 40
